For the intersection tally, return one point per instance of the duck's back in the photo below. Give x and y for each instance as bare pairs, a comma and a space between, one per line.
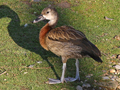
67, 42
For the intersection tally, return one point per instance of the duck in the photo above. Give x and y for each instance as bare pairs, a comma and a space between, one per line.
66, 42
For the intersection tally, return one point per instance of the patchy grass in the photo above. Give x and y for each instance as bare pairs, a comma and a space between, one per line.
19, 45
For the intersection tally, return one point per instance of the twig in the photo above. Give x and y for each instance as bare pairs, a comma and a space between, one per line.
106, 18
29, 68
3, 73
38, 68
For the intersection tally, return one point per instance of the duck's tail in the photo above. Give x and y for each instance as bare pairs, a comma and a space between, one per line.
91, 50
95, 57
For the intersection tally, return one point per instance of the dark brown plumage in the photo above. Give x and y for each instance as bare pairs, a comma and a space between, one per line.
65, 41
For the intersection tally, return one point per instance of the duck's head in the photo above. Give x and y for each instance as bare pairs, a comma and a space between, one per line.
48, 13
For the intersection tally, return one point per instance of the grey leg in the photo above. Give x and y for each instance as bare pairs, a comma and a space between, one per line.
77, 69
69, 79
55, 81
63, 73
77, 77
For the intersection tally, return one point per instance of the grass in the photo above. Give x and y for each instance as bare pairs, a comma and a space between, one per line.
19, 45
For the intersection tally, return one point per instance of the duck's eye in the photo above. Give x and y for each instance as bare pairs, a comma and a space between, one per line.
47, 12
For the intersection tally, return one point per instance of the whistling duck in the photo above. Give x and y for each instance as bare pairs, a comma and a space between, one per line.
66, 42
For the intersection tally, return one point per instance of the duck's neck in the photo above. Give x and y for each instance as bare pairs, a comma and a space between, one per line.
53, 22
42, 35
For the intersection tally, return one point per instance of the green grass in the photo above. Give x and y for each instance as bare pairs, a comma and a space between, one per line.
19, 46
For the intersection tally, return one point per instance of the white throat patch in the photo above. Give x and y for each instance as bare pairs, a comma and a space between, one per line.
52, 19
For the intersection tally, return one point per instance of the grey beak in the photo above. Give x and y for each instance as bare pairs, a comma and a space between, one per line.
40, 18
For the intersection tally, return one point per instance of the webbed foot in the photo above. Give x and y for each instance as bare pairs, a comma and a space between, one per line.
53, 81
70, 79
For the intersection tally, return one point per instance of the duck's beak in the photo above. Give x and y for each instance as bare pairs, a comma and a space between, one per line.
40, 18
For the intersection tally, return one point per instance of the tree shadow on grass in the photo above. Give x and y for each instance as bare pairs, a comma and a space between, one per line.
26, 38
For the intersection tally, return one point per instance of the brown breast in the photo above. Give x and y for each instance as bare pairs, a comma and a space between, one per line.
42, 35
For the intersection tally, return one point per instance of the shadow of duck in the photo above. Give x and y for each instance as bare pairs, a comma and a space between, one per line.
26, 38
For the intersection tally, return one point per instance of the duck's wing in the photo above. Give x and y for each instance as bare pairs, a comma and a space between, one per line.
77, 38
65, 33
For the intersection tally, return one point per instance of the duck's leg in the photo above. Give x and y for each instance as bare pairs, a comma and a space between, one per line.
63, 73
77, 77
77, 70
69, 79
55, 81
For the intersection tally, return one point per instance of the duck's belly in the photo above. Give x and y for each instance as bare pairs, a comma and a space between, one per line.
65, 49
